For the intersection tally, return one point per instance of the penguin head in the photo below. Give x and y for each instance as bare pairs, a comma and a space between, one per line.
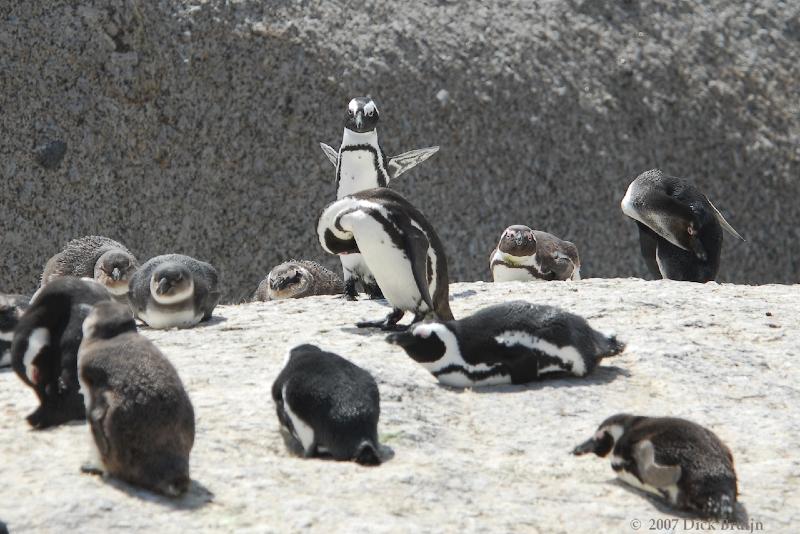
362, 115
426, 343
288, 280
606, 436
332, 236
518, 241
171, 283
10, 311
108, 319
114, 269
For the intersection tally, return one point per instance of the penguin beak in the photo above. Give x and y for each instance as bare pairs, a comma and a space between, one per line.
519, 239
359, 119
163, 286
585, 448
116, 274
402, 339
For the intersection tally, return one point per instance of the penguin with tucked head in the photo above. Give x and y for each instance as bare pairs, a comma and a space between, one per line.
296, 279
328, 406
511, 343
44, 352
525, 255
399, 246
361, 164
141, 419
174, 290
11, 309
675, 459
680, 230
94, 256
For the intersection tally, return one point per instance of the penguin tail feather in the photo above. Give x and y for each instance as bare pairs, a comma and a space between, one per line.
725, 508
367, 454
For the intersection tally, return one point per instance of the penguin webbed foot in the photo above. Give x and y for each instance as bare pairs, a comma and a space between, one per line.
387, 324
373, 290
90, 468
350, 292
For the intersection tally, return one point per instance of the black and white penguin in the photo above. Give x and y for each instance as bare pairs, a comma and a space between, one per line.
328, 406
525, 255
11, 309
174, 290
44, 352
678, 460
399, 246
94, 256
296, 279
680, 230
510, 343
361, 164
140, 417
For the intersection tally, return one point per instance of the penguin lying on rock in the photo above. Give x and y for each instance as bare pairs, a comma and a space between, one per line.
526, 255
296, 279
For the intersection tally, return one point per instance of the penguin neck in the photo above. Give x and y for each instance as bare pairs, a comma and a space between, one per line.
355, 138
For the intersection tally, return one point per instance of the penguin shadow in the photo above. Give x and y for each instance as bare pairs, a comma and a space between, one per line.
196, 497
463, 294
604, 374
213, 321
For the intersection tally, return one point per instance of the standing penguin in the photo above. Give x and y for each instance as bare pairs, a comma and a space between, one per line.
524, 255
510, 343
141, 419
11, 309
296, 279
44, 352
327, 405
680, 230
676, 459
361, 164
94, 256
399, 246
174, 290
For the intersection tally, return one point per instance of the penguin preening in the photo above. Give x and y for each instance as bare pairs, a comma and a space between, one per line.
297, 279
675, 459
680, 230
398, 245
141, 419
525, 255
511, 343
327, 405
361, 164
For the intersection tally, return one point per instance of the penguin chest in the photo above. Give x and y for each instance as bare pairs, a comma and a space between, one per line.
358, 171
162, 317
504, 273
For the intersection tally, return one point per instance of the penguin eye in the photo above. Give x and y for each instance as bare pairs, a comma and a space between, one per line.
371, 113
350, 112
530, 238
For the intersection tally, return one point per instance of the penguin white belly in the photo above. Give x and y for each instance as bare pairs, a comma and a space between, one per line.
460, 380
302, 431
354, 265
38, 340
160, 319
501, 273
630, 479
357, 172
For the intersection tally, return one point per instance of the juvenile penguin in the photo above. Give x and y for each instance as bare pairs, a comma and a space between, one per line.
327, 405
295, 279
680, 230
11, 309
524, 255
510, 343
361, 164
676, 459
174, 290
94, 256
399, 246
141, 419
44, 352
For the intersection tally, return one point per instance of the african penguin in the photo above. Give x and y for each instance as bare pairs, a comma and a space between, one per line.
94, 256
11, 309
524, 255
295, 279
510, 343
680, 230
399, 246
140, 417
44, 352
327, 405
361, 164
676, 459
174, 290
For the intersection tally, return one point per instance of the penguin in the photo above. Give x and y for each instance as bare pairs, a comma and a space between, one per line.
94, 256
295, 279
361, 164
524, 255
399, 246
11, 309
680, 230
174, 290
327, 406
44, 351
675, 459
511, 343
140, 416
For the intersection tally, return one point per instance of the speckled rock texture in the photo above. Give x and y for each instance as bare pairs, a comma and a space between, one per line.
192, 126
487, 460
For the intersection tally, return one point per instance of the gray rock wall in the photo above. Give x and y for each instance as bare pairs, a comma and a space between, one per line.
176, 127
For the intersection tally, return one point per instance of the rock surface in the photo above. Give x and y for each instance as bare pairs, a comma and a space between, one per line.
192, 126
488, 460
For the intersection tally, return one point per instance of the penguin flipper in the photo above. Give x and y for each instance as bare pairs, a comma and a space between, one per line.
408, 160
725, 224
97, 420
333, 155
658, 476
418, 256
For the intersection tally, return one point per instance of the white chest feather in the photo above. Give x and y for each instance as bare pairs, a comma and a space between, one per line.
567, 354
38, 340
302, 431
516, 271
162, 318
452, 357
357, 172
671, 491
